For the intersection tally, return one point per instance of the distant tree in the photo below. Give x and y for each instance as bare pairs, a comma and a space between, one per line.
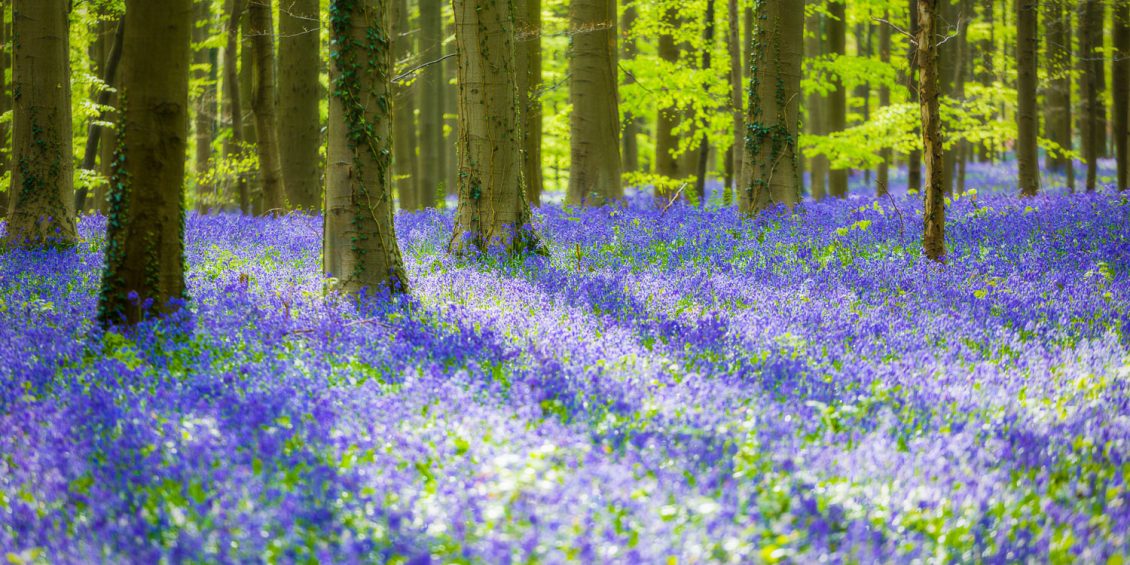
233, 145
145, 229
837, 101
432, 88
360, 246
737, 148
1091, 61
666, 142
98, 137
1027, 116
816, 106
1120, 89
299, 95
1058, 114
914, 157
772, 171
594, 140
264, 103
934, 234
633, 125
493, 211
883, 176
205, 105
406, 167
703, 153
528, 59
41, 194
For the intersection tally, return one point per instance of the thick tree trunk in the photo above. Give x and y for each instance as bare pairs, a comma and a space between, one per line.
772, 171
934, 233
1091, 61
493, 211
360, 247
817, 109
233, 148
633, 125
145, 234
204, 108
264, 103
1120, 85
41, 195
594, 141
666, 143
735, 155
883, 176
300, 93
837, 101
405, 166
914, 158
528, 59
430, 89
1028, 120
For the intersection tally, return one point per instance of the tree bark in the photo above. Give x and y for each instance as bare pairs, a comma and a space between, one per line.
430, 89
633, 125
737, 148
1091, 61
233, 148
1120, 85
5, 102
205, 108
883, 176
934, 233
247, 94
1028, 121
405, 166
704, 145
264, 103
817, 106
594, 141
528, 58
493, 211
41, 196
666, 143
145, 235
94, 131
360, 247
1058, 116
837, 101
451, 114
772, 172
300, 93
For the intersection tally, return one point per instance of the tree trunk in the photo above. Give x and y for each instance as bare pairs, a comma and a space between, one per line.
1120, 85
633, 125
914, 158
406, 168
666, 143
934, 233
107, 136
4, 102
952, 20
145, 235
493, 212
883, 176
264, 103
247, 93
94, 133
737, 148
704, 145
451, 114
986, 52
772, 171
300, 94
360, 247
1028, 121
1058, 107
41, 201
529, 84
817, 109
205, 108
433, 149
1091, 61
233, 148
594, 141
837, 101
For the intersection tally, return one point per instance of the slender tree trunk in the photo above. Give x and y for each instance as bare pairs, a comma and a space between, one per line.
817, 109
300, 93
431, 90
109, 69
145, 234
41, 201
107, 136
883, 176
633, 125
406, 168
837, 101
205, 108
264, 103
737, 149
1091, 61
1057, 115
1120, 85
934, 233
1028, 120
5, 103
594, 141
493, 211
704, 145
451, 112
772, 174
986, 53
233, 148
952, 20
360, 248
914, 158
666, 143
528, 58
247, 93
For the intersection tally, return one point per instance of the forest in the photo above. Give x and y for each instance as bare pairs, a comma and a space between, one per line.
565, 281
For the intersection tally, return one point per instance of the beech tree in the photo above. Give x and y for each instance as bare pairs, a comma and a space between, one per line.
1028, 121
145, 231
1090, 40
493, 211
594, 172
934, 214
413, 196
431, 91
205, 105
360, 248
837, 100
528, 58
771, 175
264, 104
299, 92
41, 194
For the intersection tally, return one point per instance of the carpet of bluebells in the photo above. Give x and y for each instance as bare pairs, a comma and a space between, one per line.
663, 387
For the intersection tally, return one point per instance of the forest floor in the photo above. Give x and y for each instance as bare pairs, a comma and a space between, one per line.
679, 385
